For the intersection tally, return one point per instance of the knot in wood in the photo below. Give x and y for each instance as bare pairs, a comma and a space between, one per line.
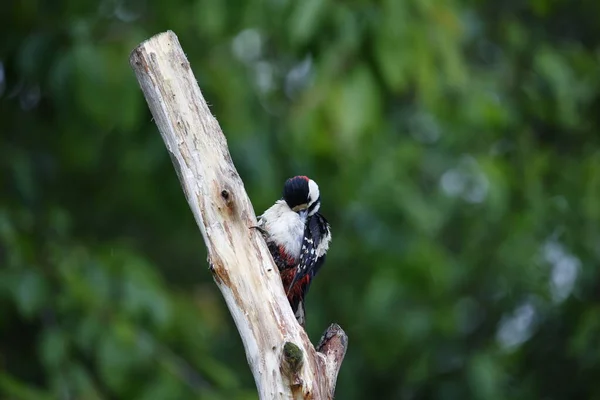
293, 357
227, 196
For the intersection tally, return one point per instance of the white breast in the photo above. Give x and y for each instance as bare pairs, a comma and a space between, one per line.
284, 226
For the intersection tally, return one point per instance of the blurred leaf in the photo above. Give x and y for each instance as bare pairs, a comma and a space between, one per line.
356, 107
484, 377
211, 17
115, 360
31, 292
54, 348
98, 76
9, 386
305, 19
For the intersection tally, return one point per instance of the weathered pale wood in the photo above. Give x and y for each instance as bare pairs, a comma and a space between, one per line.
238, 257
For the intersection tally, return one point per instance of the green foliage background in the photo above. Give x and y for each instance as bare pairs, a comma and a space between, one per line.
455, 144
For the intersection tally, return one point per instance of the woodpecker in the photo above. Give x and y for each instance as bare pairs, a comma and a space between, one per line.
298, 238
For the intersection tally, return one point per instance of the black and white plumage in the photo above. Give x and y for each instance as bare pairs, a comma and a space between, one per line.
298, 238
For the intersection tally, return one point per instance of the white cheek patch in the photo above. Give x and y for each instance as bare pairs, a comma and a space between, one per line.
313, 191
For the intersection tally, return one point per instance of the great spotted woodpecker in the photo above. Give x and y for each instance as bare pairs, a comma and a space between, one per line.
298, 238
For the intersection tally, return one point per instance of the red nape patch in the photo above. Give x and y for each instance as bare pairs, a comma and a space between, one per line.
303, 177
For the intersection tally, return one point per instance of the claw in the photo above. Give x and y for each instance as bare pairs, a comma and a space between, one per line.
260, 229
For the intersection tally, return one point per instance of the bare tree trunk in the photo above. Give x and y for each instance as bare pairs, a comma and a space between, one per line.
283, 361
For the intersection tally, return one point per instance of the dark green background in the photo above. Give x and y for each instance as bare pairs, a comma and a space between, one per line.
455, 144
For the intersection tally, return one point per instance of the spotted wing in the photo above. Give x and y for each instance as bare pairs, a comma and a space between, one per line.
312, 254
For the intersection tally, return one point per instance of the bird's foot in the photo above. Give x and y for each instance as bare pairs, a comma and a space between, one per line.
260, 229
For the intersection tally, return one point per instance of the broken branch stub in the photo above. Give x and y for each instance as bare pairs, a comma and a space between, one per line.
239, 259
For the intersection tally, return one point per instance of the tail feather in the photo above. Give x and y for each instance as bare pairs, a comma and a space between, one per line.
300, 314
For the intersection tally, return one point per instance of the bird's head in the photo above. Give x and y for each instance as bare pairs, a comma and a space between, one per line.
302, 195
